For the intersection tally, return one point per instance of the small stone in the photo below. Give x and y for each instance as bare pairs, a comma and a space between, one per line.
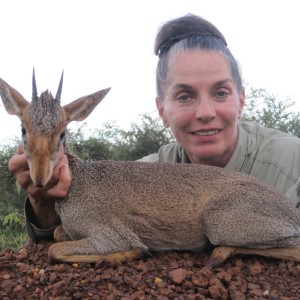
178, 275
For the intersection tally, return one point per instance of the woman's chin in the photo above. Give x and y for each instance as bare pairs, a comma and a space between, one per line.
207, 156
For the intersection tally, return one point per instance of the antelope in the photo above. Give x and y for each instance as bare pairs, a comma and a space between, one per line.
119, 210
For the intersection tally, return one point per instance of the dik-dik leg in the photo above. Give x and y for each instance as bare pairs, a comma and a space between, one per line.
221, 253
67, 252
255, 225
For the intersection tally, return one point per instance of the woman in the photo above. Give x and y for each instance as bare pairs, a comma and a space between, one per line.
200, 97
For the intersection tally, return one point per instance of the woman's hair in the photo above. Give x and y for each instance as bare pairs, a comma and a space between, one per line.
190, 32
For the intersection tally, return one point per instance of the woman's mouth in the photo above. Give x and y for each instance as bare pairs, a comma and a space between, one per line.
206, 132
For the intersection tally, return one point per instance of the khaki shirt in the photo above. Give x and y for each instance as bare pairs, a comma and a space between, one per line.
267, 154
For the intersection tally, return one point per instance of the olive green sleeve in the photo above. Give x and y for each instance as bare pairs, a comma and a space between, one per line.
269, 155
35, 233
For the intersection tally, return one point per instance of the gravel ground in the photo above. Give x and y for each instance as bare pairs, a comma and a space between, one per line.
26, 274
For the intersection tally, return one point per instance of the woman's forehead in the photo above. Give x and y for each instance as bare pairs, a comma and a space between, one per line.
197, 63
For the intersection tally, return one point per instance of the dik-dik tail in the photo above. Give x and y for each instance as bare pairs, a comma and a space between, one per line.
44, 123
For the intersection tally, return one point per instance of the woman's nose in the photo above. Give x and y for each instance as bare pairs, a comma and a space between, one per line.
204, 109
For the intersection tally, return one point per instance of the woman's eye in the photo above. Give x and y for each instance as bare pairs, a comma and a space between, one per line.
184, 98
222, 94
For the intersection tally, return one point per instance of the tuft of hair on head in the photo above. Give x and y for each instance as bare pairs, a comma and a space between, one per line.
181, 28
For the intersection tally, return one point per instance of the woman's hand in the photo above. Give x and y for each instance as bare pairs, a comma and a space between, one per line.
42, 199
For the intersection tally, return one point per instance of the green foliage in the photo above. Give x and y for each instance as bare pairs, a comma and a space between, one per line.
12, 239
265, 109
94, 146
111, 142
12, 218
12, 229
10, 194
142, 139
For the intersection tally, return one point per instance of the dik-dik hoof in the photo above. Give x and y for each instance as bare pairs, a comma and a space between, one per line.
60, 235
214, 263
219, 256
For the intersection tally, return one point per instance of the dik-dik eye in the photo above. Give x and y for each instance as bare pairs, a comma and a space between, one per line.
23, 130
62, 136
61, 140
24, 136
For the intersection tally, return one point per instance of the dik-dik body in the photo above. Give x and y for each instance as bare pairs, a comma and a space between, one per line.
117, 210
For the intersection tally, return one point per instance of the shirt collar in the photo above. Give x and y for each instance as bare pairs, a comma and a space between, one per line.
241, 150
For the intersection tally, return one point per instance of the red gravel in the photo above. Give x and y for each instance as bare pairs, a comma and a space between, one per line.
26, 274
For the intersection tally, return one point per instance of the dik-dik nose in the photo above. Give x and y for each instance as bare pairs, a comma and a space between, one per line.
41, 173
39, 185
39, 182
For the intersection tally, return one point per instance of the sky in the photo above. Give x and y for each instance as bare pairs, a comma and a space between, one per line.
109, 43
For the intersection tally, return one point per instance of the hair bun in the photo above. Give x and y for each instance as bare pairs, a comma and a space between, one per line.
182, 28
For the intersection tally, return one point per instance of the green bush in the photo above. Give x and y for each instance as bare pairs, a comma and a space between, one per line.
12, 227
12, 230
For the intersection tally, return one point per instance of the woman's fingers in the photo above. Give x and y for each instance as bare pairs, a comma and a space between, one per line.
18, 161
58, 185
61, 189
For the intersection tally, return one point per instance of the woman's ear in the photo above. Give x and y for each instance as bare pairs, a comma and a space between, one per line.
241, 102
161, 111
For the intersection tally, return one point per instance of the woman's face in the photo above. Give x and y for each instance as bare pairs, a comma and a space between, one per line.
201, 105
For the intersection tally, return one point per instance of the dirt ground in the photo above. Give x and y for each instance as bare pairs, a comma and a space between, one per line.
27, 274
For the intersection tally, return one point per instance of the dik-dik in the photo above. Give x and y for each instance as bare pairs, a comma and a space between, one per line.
117, 210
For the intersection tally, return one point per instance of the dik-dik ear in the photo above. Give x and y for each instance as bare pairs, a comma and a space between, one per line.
13, 101
79, 109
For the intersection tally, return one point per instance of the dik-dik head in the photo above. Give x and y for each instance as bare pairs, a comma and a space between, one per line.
44, 122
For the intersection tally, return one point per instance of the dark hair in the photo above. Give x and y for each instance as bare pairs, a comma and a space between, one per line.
190, 32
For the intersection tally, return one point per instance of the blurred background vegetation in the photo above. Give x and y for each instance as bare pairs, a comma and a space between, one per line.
110, 141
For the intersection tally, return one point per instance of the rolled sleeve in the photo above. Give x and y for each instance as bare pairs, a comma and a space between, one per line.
35, 233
